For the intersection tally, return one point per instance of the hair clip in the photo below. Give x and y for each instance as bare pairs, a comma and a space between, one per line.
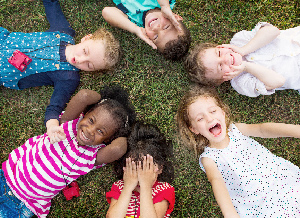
126, 123
102, 100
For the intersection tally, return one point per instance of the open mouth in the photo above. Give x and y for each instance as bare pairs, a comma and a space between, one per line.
84, 137
151, 22
232, 61
216, 130
73, 60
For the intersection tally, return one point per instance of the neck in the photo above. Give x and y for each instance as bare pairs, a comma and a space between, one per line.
220, 145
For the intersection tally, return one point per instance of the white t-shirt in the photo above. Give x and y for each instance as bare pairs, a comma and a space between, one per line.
280, 55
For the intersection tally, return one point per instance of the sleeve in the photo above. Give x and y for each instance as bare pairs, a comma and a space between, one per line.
115, 193
56, 18
243, 37
166, 194
249, 85
64, 87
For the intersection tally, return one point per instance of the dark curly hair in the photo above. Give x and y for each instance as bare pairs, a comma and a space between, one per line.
147, 139
195, 67
176, 49
116, 101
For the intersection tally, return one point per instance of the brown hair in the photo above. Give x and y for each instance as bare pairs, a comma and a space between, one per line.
112, 47
188, 138
195, 67
176, 49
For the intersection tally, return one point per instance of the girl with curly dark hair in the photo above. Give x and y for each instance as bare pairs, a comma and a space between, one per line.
144, 172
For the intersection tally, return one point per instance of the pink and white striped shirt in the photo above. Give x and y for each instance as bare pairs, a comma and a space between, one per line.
37, 171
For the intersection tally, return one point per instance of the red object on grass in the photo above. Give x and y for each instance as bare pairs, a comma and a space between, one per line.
72, 190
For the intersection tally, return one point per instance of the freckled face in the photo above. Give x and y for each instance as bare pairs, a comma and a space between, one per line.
96, 127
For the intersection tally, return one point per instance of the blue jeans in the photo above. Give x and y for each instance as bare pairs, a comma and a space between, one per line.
10, 205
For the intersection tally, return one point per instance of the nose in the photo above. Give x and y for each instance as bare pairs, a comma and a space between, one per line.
226, 58
90, 130
156, 26
81, 59
209, 117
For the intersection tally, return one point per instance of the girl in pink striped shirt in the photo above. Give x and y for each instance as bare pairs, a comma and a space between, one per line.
39, 169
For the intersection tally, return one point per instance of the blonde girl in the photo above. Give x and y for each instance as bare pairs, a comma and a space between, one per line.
246, 178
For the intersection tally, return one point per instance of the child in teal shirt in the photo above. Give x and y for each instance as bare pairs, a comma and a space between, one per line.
154, 22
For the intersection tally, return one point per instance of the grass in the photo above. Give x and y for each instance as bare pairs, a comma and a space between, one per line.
156, 86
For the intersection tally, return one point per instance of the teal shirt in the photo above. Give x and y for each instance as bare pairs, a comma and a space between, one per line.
136, 9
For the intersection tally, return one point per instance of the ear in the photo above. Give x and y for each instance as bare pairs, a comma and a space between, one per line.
86, 37
160, 170
194, 130
177, 17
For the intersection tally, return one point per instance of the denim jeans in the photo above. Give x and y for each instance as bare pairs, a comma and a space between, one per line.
10, 206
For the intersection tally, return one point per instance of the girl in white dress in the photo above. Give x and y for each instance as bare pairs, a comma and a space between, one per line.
246, 178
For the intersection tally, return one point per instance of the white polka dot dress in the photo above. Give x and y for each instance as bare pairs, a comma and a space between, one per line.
260, 184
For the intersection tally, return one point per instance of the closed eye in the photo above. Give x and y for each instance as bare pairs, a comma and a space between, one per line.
166, 27
155, 37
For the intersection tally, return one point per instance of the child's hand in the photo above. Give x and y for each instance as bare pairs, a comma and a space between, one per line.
147, 174
233, 48
141, 33
56, 134
130, 176
167, 13
236, 70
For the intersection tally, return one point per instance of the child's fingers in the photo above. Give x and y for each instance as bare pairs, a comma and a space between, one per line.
134, 167
176, 23
145, 163
151, 44
150, 162
223, 46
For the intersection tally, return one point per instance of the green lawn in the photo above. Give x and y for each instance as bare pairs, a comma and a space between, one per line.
156, 86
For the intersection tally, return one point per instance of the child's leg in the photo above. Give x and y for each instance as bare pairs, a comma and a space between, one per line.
10, 206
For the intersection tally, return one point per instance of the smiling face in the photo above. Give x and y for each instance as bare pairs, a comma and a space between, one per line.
89, 55
160, 29
208, 120
217, 61
96, 127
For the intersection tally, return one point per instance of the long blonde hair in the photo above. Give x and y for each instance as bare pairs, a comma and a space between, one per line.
188, 138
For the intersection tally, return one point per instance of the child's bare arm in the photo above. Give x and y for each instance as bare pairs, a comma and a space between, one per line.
269, 77
219, 188
269, 130
78, 103
117, 18
147, 174
115, 150
264, 36
167, 12
118, 208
